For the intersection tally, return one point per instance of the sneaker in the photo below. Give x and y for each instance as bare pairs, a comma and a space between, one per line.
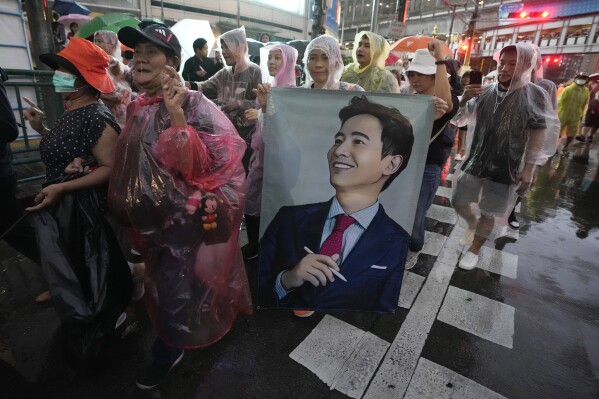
513, 222
458, 157
303, 313
468, 261
155, 374
250, 251
120, 320
467, 238
138, 288
581, 138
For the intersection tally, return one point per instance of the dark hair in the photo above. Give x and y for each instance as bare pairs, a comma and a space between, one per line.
397, 136
198, 44
264, 34
511, 49
73, 23
466, 74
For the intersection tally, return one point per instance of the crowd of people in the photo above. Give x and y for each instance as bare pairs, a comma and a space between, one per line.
160, 163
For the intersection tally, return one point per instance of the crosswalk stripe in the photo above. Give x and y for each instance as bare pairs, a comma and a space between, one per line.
433, 243
442, 213
444, 192
410, 287
498, 262
479, 315
341, 355
395, 372
433, 381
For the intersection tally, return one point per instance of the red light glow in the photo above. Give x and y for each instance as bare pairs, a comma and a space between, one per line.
545, 14
556, 60
523, 14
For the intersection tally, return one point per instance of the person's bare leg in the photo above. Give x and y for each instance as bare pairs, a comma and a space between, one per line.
465, 211
568, 141
483, 230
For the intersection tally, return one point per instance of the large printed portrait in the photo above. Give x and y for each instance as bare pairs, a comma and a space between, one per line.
342, 175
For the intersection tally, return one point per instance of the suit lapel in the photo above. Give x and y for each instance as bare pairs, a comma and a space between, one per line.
309, 226
372, 246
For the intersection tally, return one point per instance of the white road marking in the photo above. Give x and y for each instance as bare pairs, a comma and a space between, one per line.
341, 355
444, 192
498, 262
395, 372
433, 381
442, 213
410, 287
479, 315
433, 243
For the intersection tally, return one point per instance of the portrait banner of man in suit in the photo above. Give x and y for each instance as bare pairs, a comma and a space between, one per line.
342, 176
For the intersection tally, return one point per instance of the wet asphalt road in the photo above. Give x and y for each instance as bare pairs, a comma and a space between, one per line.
537, 336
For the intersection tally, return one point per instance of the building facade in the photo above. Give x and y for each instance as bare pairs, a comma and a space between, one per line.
567, 34
282, 20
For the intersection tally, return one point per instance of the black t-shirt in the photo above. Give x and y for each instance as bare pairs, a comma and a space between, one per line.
193, 64
437, 149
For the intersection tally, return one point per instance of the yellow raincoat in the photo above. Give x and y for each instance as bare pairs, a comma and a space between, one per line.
372, 77
570, 107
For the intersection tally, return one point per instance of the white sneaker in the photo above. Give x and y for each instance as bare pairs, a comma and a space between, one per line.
458, 157
467, 238
468, 261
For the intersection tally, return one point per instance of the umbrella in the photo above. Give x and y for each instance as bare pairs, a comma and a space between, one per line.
254, 47
151, 21
79, 19
187, 31
300, 46
410, 44
113, 21
65, 7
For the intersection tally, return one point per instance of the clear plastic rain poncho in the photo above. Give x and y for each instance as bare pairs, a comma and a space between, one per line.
372, 77
545, 84
180, 194
508, 129
285, 77
330, 46
235, 83
120, 98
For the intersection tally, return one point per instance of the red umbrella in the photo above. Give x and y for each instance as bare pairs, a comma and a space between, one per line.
410, 44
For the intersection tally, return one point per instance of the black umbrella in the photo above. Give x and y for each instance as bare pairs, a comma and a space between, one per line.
300, 46
254, 47
64, 7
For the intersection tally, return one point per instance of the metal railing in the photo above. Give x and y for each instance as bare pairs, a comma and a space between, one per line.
26, 147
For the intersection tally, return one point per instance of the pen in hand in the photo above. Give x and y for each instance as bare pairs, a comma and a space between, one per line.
335, 272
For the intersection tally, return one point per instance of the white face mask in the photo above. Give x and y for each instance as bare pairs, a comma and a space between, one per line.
580, 82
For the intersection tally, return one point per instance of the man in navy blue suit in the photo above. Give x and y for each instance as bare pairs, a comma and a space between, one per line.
351, 233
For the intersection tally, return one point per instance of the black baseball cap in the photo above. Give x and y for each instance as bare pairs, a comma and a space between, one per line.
159, 35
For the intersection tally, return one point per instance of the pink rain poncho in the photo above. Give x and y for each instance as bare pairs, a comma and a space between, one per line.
373, 77
507, 130
285, 77
180, 193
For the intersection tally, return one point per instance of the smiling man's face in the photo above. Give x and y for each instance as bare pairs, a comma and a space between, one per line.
355, 159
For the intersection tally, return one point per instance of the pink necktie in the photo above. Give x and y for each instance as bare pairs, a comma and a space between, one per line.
332, 245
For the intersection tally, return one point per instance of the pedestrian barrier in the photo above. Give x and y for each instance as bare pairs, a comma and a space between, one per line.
36, 85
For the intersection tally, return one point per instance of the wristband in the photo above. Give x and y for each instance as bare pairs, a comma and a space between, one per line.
442, 62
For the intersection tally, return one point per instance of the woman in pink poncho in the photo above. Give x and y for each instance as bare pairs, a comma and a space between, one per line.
178, 187
278, 70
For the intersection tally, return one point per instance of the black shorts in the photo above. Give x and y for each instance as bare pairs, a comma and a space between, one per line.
591, 119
